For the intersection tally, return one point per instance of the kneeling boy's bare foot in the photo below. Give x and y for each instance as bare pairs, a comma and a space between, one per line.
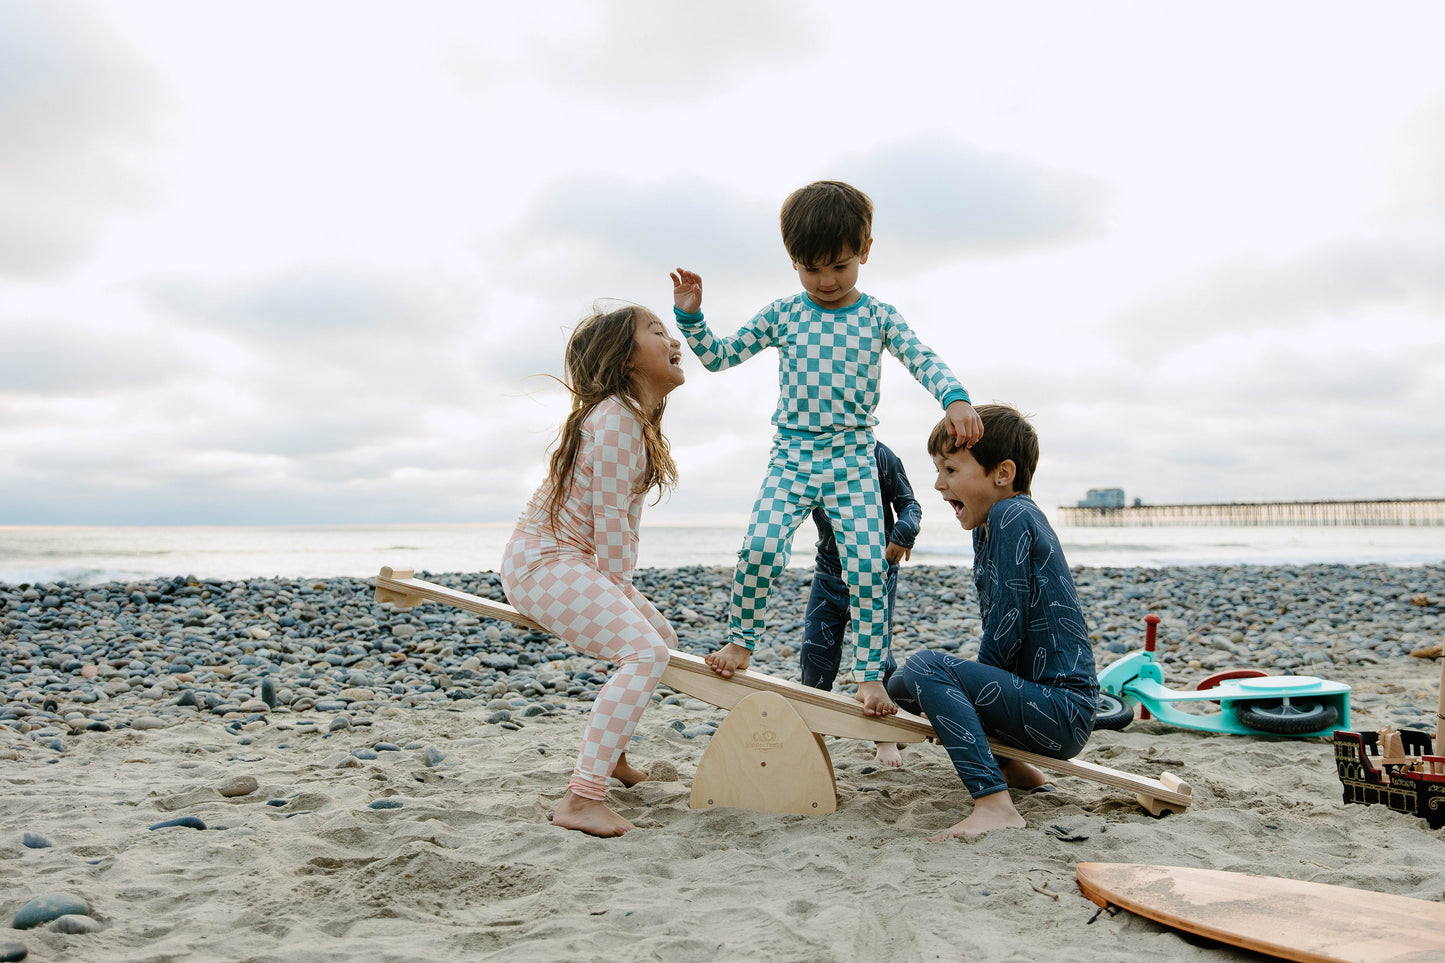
728, 659
1021, 775
589, 816
626, 773
888, 755
994, 811
875, 699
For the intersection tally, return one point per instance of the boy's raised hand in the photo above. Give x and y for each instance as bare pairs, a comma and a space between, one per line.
964, 424
687, 292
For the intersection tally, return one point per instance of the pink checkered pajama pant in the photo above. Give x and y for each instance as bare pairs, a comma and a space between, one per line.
568, 597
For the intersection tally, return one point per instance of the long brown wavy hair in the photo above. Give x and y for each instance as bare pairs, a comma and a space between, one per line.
597, 368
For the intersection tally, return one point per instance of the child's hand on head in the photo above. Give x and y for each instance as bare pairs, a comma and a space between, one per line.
964, 424
686, 290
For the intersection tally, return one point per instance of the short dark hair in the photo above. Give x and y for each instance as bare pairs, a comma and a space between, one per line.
1007, 436
825, 220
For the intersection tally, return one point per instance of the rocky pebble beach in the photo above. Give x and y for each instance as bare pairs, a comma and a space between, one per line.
302, 712
322, 653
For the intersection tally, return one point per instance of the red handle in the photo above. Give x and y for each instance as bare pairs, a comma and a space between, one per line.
1151, 624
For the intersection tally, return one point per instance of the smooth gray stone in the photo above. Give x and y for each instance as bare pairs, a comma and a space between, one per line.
238, 786
434, 756
384, 804
75, 923
35, 841
13, 952
190, 822
50, 906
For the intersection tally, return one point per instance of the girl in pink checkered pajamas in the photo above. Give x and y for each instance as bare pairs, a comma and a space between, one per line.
569, 563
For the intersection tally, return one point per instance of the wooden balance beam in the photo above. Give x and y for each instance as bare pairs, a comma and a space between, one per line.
760, 757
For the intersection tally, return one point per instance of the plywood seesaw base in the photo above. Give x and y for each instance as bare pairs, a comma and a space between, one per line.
764, 757
733, 750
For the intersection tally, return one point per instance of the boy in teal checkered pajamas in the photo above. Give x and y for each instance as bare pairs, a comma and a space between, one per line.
830, 339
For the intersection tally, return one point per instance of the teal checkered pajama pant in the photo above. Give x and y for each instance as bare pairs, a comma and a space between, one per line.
834, 470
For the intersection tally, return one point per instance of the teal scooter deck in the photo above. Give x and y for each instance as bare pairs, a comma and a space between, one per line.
1138, 680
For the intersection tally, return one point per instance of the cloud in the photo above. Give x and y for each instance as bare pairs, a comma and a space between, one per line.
46, 357
935, 199
354, 265
313, 302
297, 396
292, 449
1352, 278
1419, 188
659, 51
938, 198
620, 224
77, 108
1255, 415
438, 338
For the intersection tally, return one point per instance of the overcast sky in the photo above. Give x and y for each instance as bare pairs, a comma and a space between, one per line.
304, 262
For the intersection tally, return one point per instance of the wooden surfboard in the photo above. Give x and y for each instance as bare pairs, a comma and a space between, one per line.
1289, 918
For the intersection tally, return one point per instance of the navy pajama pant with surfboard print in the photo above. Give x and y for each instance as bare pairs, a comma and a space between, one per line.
834, 470
969, 702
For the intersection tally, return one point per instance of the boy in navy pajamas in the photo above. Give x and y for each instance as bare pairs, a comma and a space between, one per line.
830, 339
1033, 685
825, 621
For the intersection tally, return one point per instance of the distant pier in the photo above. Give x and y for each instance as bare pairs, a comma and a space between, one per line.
1383, 512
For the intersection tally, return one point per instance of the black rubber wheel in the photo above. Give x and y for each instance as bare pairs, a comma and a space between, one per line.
1113, 712
1294, 718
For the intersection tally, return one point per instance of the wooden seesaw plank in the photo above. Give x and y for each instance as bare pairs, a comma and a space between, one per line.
826, 713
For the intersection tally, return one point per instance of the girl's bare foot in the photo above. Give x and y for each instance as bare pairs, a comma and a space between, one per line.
728, 659
994, 811
626, 773
875, 699
1021, 775
590, 816
888, 755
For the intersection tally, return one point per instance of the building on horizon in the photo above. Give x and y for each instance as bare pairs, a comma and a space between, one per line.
1103, 498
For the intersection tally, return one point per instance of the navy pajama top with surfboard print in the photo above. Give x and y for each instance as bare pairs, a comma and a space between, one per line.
1033, 685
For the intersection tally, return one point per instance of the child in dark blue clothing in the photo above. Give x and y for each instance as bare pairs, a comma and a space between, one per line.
827, 617
1033, 684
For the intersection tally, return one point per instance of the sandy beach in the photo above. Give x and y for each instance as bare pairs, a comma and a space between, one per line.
375, 813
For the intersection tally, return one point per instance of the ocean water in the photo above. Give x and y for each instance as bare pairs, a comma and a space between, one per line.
88, 555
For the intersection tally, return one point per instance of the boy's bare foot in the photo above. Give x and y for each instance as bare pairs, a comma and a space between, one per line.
626, 773
875, 699
1021, 775
728, 659
888, 755
590, 816
994, 811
